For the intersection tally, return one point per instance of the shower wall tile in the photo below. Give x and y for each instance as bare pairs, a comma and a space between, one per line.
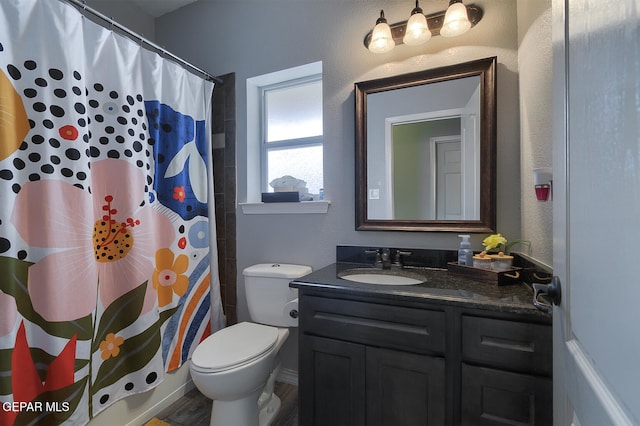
224, 175
218, 172
230, 144
230, 189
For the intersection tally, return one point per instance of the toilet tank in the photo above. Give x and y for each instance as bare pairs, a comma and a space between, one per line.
269, 297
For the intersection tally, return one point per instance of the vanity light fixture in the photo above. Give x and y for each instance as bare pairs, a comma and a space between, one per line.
418, 29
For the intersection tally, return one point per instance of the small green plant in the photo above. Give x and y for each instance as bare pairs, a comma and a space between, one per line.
497, 241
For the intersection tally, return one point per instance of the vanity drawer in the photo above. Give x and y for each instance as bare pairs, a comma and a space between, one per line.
517, 346
396, 327
495, 397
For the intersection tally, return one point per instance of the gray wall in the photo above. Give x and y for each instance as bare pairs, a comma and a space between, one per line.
126, 14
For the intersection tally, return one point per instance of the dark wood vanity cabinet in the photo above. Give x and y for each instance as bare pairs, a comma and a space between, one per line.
370, 364
379, 363
352, 384
506, 372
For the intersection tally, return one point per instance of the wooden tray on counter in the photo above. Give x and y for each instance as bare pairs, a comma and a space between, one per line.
510, 276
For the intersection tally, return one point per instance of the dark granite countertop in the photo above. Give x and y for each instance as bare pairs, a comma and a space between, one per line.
441, 287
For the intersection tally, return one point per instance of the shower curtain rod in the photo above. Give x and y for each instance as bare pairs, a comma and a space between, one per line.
82, 4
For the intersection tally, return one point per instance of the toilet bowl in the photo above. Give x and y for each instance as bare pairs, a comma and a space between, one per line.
237, 366
232, 369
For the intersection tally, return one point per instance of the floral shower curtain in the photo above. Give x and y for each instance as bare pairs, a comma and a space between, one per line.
106, 280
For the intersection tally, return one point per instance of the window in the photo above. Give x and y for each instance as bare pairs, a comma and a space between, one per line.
292, 133
284, 130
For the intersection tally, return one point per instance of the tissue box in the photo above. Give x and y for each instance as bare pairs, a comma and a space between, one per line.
281, 197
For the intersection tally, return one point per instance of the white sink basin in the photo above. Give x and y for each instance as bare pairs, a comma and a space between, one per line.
382, 277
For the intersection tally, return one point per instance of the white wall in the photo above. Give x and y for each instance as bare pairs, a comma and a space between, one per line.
535, 57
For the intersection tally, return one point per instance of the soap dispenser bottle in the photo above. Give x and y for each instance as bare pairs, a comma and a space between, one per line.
465, 254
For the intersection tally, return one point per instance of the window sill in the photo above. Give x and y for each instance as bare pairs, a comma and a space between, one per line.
303, 207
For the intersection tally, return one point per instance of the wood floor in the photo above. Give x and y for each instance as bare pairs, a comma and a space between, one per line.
194, 409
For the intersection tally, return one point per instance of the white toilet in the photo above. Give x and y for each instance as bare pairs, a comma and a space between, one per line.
237, 366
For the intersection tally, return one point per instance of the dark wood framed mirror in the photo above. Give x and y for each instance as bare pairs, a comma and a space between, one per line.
426, 150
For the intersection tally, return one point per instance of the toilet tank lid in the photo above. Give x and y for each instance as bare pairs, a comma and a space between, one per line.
277, 270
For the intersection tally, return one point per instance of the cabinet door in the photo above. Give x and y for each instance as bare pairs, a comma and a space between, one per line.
331, 382
494, 397
404, 389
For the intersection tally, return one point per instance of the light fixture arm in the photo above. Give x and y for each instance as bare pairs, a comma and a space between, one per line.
434, 20
381, 19
416, 9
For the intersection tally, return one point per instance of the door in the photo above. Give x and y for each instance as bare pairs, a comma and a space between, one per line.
332, 392
597, 211
449, 178
403, 388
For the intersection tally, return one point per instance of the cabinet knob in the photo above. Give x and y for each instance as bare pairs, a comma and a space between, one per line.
293, 313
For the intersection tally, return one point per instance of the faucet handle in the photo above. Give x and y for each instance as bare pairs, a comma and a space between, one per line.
378, 253
397, 261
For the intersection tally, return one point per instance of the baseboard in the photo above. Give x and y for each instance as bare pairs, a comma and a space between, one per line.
165, 402
289, 376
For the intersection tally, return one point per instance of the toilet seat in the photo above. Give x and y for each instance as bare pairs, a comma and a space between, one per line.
233, 346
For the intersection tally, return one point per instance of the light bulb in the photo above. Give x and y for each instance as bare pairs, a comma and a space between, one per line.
456, 20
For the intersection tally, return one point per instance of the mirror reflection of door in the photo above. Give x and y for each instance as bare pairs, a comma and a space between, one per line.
449, 172
413, 170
